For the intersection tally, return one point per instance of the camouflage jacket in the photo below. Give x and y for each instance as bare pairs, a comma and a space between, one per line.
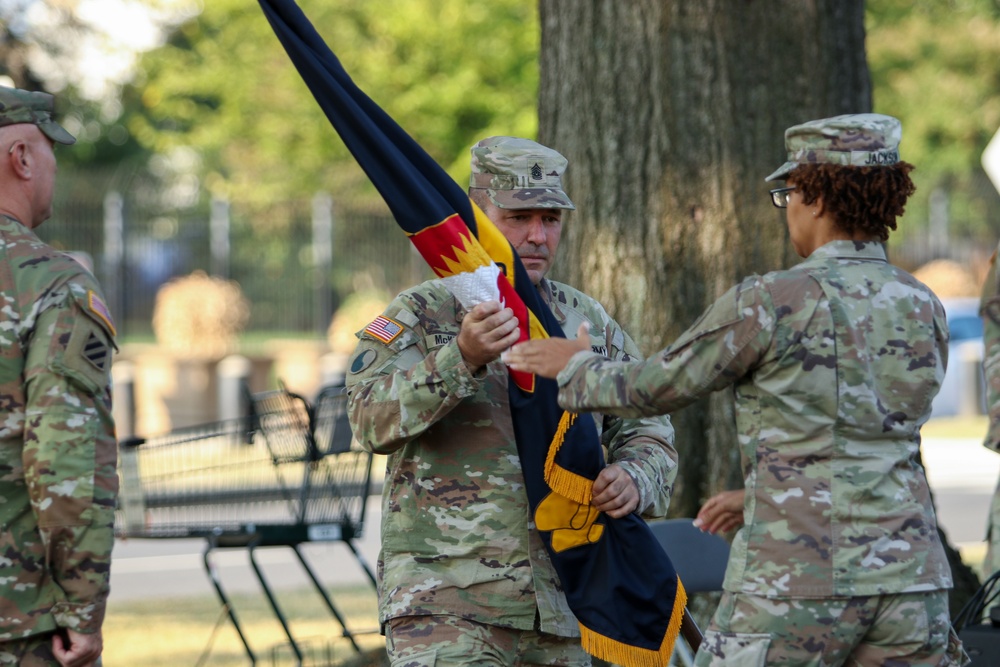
833, 364
989, 311
457, 537
57, 443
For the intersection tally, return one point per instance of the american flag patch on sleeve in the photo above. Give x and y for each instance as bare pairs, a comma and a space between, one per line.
384, 329
98, 307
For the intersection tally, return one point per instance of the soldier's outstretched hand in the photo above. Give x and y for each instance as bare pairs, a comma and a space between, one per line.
548, 356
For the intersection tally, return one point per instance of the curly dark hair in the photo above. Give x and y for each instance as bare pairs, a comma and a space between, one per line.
860, 199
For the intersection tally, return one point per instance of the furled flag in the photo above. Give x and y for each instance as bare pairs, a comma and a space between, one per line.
618, 581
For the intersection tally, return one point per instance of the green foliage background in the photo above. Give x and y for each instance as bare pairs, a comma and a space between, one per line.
935, 64
220, 110
450, 71
454, 71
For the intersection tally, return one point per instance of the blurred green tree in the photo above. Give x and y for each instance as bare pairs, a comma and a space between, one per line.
935, 64
449, 71
83, 51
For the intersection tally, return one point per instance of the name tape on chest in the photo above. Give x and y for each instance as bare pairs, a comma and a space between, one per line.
385, 329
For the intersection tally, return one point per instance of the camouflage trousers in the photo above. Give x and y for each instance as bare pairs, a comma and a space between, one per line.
451, 641
34, 651
909, 629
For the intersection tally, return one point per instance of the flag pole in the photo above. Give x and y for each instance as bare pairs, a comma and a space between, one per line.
690, 631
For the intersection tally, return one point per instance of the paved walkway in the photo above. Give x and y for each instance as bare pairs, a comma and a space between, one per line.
962, 474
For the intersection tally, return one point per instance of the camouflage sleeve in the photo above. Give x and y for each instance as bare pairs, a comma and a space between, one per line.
644, 448
989, 311
70, 451
398, 389
722, 346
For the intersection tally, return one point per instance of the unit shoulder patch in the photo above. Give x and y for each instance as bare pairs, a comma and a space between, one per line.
97, 352
363, 360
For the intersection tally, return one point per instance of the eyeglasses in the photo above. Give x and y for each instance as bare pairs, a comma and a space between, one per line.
779, 196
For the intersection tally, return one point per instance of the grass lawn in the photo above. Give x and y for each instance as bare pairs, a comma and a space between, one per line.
190, 632
195, 632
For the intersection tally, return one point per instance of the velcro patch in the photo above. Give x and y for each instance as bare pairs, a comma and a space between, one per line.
96, 351
99, 308
385, 329
363, 361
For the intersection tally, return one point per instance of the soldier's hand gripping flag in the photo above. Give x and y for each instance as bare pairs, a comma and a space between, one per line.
619, 583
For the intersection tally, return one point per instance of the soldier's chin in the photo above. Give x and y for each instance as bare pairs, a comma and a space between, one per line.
536, 268
535, 274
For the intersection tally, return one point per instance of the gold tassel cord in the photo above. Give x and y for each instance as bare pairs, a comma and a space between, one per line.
564, 482
579, 489
627, 655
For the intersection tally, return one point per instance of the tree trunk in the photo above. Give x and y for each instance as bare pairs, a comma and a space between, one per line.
671, 114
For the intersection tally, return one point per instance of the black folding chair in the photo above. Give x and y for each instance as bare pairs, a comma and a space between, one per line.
700, 560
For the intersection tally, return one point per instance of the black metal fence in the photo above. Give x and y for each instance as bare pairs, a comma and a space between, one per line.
295, 261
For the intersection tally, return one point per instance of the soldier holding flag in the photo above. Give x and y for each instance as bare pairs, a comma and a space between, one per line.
463, 574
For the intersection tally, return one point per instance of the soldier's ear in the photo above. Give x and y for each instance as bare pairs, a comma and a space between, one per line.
19, 159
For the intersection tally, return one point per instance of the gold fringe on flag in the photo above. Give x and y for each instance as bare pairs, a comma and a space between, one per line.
627, 655
564, 482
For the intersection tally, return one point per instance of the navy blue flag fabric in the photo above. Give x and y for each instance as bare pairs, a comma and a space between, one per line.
619, 583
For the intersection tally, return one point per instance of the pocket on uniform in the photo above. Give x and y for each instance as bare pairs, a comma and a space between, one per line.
733, 648
423, 659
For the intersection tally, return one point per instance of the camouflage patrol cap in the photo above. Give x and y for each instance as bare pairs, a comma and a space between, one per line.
519, 173
22, 106
854, 140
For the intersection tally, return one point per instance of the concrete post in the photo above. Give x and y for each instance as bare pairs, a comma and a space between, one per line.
971, 392
219, 237
234, 379
123, 398
322, 247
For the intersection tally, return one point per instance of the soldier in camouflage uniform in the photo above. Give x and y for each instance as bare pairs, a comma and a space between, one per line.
57, 443
989, 311
463, 575
833, 364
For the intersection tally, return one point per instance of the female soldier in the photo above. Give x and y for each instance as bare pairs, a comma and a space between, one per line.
833, 364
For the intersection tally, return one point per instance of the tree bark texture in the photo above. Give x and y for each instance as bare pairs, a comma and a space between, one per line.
671, 113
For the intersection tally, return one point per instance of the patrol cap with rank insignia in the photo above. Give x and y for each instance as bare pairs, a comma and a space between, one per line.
519, 173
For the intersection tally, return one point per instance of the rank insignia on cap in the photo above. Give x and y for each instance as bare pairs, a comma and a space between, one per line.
98, 307
384, 329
